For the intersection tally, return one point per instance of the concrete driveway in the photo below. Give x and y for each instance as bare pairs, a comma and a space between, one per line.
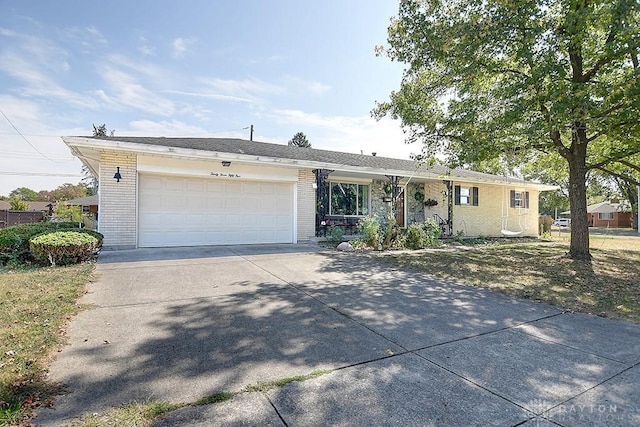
403, 348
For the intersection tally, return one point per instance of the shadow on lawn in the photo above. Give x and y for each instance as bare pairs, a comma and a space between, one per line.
320, 311
606, 286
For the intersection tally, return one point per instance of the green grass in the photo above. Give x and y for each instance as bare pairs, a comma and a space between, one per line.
264, 387
35, 305
608, 286
144, 414
130, 415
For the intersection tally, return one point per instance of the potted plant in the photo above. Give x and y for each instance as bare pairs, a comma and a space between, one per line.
430, 202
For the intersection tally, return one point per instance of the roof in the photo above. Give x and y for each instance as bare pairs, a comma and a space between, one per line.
254, 151
609, 207
84, 201
33, 206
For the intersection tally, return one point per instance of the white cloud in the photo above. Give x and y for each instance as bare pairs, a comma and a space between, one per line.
248, 90
39, 83
180, 46
163, 128
301, 85
125, 90
216, 96
349, 134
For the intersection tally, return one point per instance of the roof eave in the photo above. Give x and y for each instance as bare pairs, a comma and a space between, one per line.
75, 142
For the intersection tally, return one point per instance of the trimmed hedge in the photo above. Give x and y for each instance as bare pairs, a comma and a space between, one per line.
63, 247
14, 241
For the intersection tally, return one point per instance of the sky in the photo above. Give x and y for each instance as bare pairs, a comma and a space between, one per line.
190, 68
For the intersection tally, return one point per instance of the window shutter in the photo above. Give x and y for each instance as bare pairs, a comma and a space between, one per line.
475, 196
457, 189
526, 199
513, 198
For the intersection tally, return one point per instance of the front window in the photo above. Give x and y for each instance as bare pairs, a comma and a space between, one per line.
348, 199
605, 216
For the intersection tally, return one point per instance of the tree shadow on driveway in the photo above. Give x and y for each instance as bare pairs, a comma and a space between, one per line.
375, 325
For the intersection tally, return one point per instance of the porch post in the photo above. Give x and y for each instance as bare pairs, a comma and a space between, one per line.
395, 191
449, 185
322, 197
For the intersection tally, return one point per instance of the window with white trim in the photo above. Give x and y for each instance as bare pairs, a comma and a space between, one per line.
466, 195
605, 216
348, 199
519, 199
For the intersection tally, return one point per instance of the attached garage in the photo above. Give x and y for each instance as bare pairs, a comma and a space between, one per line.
185, 211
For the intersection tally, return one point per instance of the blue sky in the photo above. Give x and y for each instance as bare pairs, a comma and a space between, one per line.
190, 68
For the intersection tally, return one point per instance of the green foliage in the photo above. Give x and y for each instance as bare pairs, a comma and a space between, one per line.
415, 237
335, 233
391, 234
63, 247
299, 140
25, 194
487, 80
71, 213
18, 204
431, 231
14, 241
369, 227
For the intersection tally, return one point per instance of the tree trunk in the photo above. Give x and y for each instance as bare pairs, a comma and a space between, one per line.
579, 248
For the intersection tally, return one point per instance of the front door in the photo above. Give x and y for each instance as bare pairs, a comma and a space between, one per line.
400, 209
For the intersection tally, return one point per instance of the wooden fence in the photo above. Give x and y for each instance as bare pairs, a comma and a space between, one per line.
10, 218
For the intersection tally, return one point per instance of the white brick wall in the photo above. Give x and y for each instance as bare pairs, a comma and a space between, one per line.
306, 205
486, 219
117, 209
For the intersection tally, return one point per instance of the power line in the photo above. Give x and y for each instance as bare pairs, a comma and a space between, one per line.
25, 138
71, 175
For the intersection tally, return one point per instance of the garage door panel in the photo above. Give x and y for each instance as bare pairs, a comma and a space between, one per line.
189, 212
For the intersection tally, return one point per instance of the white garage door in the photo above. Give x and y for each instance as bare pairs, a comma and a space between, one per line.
196, 212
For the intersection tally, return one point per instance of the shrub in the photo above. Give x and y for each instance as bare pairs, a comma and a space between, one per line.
63, 247
335, 233
432, 232
369, 227
14, 241
392, 238
66, 212
416, 237
17, 204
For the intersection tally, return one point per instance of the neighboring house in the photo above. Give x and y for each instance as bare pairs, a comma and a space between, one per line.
158, 192
89, 205
612, 213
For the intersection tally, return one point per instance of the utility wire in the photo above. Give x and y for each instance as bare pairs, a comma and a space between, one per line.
40, 174
25, 138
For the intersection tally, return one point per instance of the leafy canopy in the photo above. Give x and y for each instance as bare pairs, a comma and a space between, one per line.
491, 78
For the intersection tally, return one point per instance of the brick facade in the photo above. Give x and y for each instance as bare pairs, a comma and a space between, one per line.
494, 213
306, 226
117, 219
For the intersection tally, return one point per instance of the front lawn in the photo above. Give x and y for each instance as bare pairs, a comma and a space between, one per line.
609, 286
35, 305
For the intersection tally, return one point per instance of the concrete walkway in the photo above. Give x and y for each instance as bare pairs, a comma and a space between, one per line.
403, 348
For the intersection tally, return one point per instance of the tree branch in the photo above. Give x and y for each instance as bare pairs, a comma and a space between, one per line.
629, 164
620, 176
617, 158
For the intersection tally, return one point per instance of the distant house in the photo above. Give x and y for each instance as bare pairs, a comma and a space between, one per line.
89, 205
612, 213
218, 191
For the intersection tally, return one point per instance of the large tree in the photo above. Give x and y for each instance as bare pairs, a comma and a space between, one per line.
25, 194
300, 140
485, 79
